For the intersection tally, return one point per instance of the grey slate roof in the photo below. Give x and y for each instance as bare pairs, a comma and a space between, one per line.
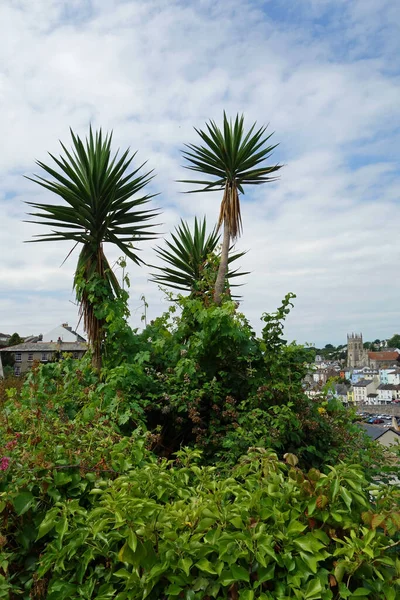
341, 389
363, 383
388, 386
375, 431
47, 347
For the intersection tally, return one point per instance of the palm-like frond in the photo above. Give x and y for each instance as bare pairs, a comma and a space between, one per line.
100, 196
187, 258
229, 159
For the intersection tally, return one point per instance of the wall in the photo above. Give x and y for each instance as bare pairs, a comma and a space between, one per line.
59, 332
383, 409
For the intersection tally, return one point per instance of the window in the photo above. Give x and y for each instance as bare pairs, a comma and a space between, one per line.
18, 357
44, 357
17, 371
76, 354
30, 356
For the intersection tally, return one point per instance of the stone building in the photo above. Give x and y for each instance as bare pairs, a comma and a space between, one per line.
382, 360
356, 354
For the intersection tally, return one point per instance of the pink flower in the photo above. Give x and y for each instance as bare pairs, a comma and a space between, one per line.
10, 445
4, 463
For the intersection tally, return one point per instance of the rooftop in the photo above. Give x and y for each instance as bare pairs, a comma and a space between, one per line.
47, 347
383, 355
363, 383
375, 432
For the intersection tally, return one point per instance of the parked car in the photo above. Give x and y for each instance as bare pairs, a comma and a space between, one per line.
377, 421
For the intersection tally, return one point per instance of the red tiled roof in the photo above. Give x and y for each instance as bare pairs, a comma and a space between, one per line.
383, 355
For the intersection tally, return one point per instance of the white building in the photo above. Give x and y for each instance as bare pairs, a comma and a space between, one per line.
362, 390
393, 377
387, 392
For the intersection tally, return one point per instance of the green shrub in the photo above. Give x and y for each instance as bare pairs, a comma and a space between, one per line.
178, 530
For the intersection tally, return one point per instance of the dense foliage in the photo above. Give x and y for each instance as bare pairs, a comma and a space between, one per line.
89, 511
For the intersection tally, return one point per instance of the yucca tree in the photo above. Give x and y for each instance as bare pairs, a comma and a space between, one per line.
191, 259
230, 159
103, 201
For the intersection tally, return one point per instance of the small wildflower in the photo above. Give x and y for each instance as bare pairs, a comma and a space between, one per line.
321, 410
4, 463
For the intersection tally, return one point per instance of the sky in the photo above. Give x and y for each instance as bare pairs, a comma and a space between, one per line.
325, 76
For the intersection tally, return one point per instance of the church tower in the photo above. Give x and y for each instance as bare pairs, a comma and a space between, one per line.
356, 354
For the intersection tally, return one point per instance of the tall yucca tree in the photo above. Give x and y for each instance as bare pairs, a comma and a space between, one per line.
188, 259
102, 202
229, 160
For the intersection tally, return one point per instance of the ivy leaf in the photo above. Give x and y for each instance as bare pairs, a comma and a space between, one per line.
296, 527
173, 589
265, 573
309, 543
313, 590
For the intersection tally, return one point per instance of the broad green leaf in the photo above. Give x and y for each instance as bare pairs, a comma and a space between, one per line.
246, 595
205, 565
313, 590
265, 573
309, 543
310, 561
346, 497
23, 502
240, 573
185, 564
126, 554
296, 527
205, 524
48, 522
132, 540
173, 590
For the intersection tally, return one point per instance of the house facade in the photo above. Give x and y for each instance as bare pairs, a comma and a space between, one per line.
26, 354
361, 391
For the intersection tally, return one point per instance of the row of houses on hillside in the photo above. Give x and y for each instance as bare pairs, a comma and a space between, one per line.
378, 383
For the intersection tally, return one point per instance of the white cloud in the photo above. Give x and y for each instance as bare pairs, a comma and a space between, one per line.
152, 70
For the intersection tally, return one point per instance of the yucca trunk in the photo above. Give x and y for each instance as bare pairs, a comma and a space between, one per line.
230, 217
223, 265
90, 300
